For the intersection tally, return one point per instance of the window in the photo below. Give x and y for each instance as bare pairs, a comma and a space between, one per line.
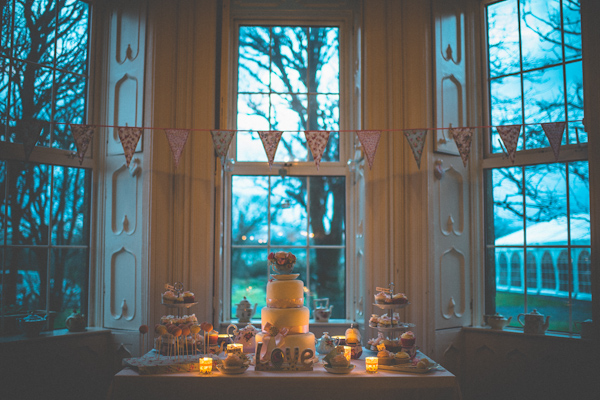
45, 198
288, 79
537, 206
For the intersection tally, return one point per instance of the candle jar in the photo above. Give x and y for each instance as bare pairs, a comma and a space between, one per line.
347, 352
371, 364
235, 348
205, 365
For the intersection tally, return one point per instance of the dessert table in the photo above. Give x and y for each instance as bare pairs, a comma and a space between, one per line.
304, 385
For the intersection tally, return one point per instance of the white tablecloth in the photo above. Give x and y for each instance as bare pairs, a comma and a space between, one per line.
301, 385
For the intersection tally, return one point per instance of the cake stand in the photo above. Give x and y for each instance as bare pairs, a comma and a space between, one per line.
393, 331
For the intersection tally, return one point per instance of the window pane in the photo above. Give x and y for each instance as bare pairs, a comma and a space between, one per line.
249, 217
328, 278
6, 29
516, 270
574, 75
324, 60
572, 28
253, 62
546, 204
28, 195
70, 206
72, 37
503, 38
25, 270
540, 33
501, 270
289, 59
583, 277
288, 211
70, 108
505, 99
34, 31
579, 202
327, 211
248, 277
549, 275
507, 197
544, 102
68, 283
532, 271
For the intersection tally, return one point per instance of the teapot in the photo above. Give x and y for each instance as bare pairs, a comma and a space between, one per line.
325, 344
245, 336
322, 310
534, 322
497, 321
75, 322
32, 325
244, 311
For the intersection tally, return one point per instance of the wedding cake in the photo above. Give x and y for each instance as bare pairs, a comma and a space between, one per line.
285, 341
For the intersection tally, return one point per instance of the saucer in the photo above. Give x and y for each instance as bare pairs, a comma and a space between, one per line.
285, 277
232, 371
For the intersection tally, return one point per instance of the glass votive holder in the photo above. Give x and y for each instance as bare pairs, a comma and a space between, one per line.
235, 348
371, 363
205, 365
347, 352
339, 339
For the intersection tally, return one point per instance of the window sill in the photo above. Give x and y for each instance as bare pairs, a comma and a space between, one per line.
549, 336
58, 334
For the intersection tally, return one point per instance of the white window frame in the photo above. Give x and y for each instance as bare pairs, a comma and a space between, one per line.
348, 117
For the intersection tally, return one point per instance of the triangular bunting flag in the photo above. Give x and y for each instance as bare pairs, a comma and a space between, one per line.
369, 141
554, 132
221, 141
462, 138
416, 140
317, 141
177, 139
129, 140
82, 135
270, 141
510, 137
30, 131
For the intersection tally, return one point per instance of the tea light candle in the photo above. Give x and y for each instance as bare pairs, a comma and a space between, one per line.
372, 363
213, 337
205, 365
234, 348
347, 352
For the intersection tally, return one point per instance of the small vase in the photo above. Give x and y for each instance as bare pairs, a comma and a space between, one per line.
282, 269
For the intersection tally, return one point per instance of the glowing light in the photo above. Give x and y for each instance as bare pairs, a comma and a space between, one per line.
244, 237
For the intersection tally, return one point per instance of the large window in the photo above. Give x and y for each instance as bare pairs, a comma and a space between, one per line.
288, 79
44, 197
537, 206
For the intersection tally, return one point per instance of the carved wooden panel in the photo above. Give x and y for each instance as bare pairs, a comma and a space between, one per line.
451, 203
122, 294
452, 284
129, 31
124, 214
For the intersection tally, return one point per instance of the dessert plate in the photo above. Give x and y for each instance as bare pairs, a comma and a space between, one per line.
339, 370
232, 371
285, 277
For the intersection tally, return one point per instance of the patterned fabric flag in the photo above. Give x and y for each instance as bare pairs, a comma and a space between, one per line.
129, 140
270, 141
369, 141
462, 138
317, 141
554, 132
177, 139
82, 135
416, 140
221, 141
30, 131
510, 137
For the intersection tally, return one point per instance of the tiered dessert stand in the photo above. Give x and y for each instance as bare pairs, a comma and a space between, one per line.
178, 289
394, 331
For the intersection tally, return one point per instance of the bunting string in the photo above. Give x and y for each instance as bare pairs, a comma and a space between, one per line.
30, 132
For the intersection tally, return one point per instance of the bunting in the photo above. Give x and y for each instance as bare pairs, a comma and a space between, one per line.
270, 141
82, 135
369, 141
177, 139
129, 140
317, 142
30, 131
554, 132
416, 141
221, 141
510, 137
462, 138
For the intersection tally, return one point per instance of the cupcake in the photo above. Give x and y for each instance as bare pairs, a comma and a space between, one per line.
188, 297
401, 357
373, 321
179, 299
399, 298
384, 321
384, 356
407, 339
381, 297
169, 297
